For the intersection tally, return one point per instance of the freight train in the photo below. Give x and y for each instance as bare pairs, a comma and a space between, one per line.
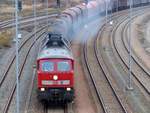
55, 63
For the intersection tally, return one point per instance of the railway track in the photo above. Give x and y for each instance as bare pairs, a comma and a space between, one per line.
135, 58
145, 78
31, 87
13, 88
138, 69
103, 85
25, 20
104, 71
104, 49
26, 44
11, 61
109, 94
62, 109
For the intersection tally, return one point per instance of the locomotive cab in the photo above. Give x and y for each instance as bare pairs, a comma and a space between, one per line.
55, 73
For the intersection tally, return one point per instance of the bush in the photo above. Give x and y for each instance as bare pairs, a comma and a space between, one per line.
5, 38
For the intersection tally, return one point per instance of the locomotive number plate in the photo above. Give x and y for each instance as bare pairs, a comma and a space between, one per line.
55, 82
59, 82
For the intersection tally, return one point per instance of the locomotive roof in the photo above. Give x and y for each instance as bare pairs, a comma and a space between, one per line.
55, 53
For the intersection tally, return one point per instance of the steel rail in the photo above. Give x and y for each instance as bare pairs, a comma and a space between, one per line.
32, 83
116, 49
66, 108
100, 98
20, 73
133, 58
102, 66
124, 34
104, 69
46, 108
136, 61
5, 23
106, 76
14, 56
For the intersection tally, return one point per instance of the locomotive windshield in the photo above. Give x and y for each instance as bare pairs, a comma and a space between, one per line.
47, 66
63, 66
55, 65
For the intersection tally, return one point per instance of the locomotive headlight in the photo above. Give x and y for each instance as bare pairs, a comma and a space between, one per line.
55, 77
68, 89
42, 89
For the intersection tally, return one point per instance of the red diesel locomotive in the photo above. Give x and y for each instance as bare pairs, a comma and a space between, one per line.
55, 71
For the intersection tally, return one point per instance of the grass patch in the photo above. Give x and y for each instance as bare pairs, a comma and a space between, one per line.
8, 10
28, 12
6, 17
5, 38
